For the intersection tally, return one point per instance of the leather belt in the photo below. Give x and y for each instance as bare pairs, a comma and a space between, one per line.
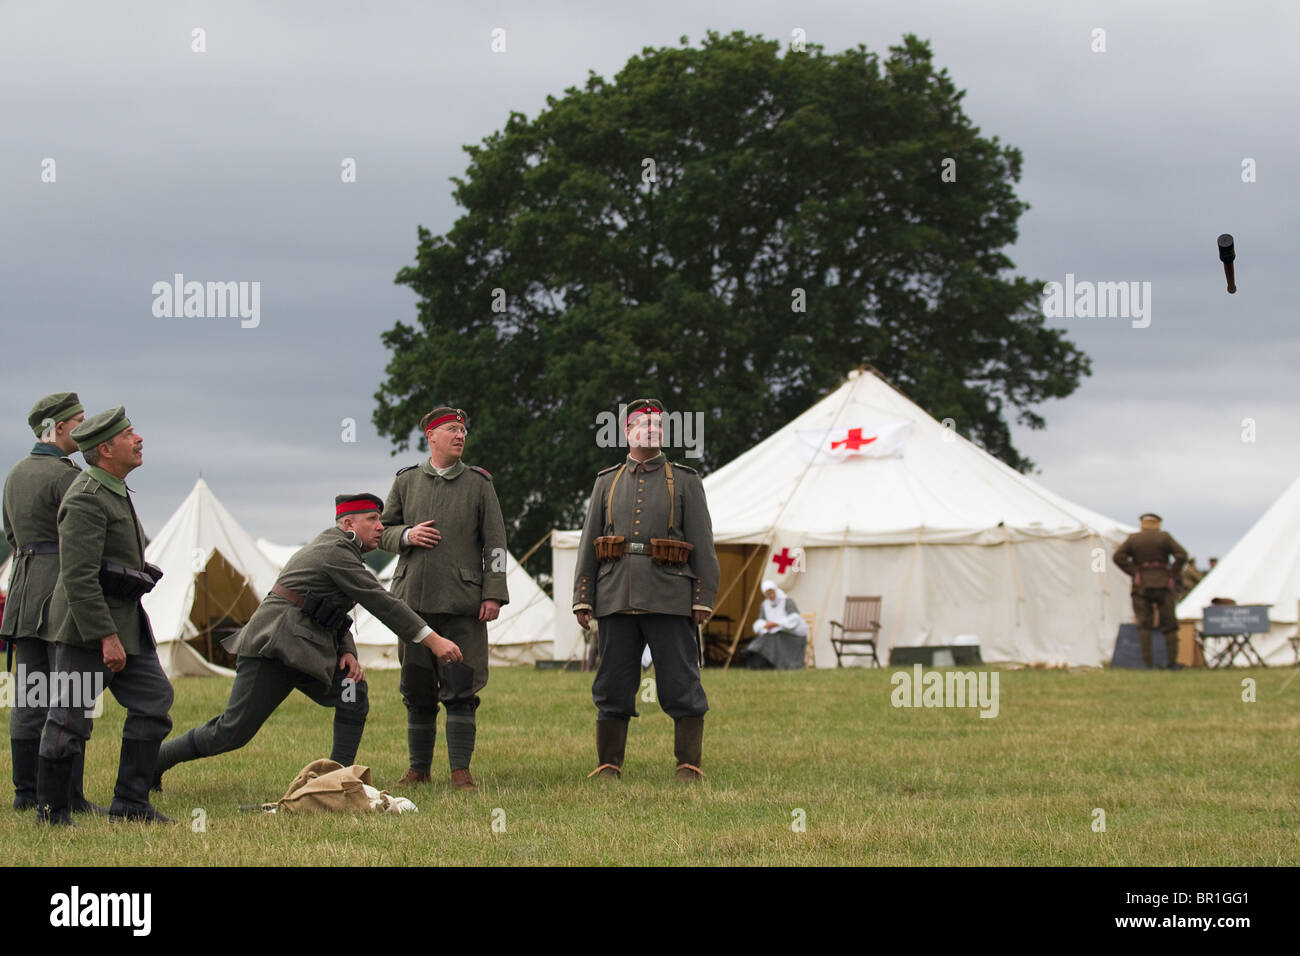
39, 547
293, 597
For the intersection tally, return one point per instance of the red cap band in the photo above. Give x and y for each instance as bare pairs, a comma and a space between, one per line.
643, 410
352, 507
442, 421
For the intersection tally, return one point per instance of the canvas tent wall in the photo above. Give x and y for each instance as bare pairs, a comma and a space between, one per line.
1262, 568
214, 577
954, 541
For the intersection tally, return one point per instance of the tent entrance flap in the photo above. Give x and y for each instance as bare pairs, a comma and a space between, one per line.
224, 600
741, 568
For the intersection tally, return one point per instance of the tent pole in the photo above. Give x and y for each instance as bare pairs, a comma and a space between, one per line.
735, 638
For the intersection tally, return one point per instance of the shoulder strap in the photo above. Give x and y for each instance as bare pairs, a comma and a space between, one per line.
672, 504
402, 471
609, 499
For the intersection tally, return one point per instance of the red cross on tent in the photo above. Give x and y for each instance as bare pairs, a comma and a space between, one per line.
783, 560
854, 441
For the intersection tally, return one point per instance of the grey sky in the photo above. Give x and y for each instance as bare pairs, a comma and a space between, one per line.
225, 165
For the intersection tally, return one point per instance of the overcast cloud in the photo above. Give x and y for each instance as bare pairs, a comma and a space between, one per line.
225, 165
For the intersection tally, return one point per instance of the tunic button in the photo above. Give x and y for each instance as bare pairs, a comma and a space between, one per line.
638, 511
638, 521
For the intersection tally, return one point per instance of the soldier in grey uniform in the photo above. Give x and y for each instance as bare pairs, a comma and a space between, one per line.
648, 572
1155, 561
443, 520
103, 633
299, 637
32, 494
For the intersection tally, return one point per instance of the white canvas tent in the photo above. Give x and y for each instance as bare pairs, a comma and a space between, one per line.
213, 575
1262, 568
954, 541
521, 635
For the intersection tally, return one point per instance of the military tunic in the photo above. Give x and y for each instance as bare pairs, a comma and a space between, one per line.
97, 523
281, 648
447, 583
1146, 557
638, 601
32, 493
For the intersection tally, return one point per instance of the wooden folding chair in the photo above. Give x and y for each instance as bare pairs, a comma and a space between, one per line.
809, 657
861, 629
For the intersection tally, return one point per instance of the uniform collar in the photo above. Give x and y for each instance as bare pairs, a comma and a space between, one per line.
449, 473
48, 448
111, 482
349, 539
651, 465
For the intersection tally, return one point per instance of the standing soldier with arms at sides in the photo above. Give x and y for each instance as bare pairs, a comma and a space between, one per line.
1146, 556
32, 494
648, 572
300, 637
443, 520
103, 633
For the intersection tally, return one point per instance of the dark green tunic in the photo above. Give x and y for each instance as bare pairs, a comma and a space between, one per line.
468, 566
32, 493
330, 566
97, 524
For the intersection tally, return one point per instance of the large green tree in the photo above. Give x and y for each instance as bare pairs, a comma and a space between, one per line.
730, 228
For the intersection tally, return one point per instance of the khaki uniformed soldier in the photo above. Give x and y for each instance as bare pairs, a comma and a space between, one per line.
1146, 556
32, 494
443, 520
648, 572
299, 637
103, 633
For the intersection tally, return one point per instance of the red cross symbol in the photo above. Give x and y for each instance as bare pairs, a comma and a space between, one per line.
783, 560
854, 441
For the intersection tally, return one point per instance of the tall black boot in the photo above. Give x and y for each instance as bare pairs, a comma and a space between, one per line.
76, 798
53, 786
26, 756
688, 740
611, 742
177, 750
134, 774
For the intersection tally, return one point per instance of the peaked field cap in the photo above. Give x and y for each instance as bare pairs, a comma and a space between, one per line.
441, 415
1152, 515
643, 406
56, 408
100, 427
356, 504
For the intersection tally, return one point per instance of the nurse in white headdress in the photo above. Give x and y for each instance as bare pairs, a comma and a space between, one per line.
781, 634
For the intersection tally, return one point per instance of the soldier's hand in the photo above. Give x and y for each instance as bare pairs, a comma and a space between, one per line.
423, 535
489, 610
584, 618
446, 651
701, 617
350, 664
114, 655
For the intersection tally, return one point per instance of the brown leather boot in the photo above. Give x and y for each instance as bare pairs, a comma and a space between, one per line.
461, 780
688, 734
611, 743
412, 777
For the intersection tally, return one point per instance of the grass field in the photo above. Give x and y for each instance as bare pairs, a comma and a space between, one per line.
1185, 771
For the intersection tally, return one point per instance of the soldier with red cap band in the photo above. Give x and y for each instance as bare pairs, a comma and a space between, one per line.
443, 520
300, 638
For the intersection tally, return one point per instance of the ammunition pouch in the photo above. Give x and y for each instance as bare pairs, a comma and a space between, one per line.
670, 550
610, 547
326, 613
126, 583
